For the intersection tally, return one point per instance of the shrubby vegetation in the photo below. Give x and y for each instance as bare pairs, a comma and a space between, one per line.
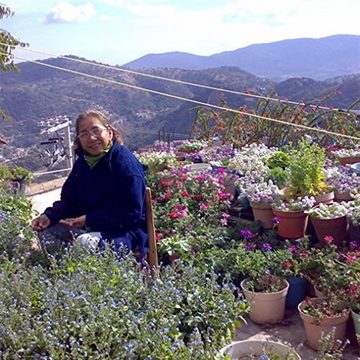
89, 306
96, 306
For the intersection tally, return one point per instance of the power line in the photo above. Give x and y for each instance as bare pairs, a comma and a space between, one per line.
247, 94
304, 127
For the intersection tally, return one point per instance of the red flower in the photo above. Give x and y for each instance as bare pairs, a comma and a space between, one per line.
166, 182
287, 264
159, 236
185, 193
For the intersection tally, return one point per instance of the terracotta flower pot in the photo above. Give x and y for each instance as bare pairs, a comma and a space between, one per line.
345, 196
327, 198
356, 319
245, 348
264, 213
316, 328
292, 224
335, 227
266, 308
349, 160
318, 292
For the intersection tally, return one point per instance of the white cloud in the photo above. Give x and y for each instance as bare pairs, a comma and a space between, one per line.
227, 25
64, 12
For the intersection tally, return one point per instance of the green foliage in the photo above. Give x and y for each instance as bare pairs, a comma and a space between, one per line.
89, 306
8, 42
279, 176
15, 214
280, 159
306, 170
17, 173
330, 348
240, 129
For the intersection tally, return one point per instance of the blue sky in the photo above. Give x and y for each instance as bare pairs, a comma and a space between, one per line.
118, 31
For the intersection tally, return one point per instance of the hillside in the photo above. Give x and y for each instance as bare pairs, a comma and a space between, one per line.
318, 59
36, 94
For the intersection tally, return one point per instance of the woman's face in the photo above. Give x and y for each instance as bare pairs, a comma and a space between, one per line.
93, 135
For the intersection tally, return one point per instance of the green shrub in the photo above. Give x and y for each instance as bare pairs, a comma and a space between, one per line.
88, 306
15, 215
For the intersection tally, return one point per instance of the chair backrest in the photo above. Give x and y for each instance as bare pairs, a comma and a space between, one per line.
152, 255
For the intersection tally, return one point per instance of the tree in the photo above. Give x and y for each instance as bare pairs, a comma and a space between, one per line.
7, 43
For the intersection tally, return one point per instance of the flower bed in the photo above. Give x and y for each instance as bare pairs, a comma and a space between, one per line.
87, 306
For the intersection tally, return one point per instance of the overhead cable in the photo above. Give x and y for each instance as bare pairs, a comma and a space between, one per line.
247, 94
135, 87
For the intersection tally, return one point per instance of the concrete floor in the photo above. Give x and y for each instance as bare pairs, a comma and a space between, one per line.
289, 331
42, 201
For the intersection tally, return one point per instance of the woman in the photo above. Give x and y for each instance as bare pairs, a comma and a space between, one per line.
104, 192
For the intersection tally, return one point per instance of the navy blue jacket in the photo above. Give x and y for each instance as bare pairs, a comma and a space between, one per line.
111, 195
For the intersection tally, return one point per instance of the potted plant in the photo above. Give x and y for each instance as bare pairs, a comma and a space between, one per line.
266, 294
157, 161
355, 309
260, 195
287, 263
353, 218
322, 315
292, 220
307, 172
329, 221
348, 156
259, 349
344, 181
191, 146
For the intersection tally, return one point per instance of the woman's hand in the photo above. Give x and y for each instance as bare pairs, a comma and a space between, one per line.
40, 223
77, 222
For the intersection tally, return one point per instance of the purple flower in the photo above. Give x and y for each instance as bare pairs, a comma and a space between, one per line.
275, 220
293, 248
247, 234
249, 247
266, 247
354, 245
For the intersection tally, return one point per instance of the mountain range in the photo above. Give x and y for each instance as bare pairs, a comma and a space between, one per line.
318, 59
37, 95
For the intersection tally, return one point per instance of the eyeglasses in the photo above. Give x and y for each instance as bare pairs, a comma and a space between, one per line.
85, 135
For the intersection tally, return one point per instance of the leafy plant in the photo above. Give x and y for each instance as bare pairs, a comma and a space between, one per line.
265, 283
329, 348
87, 306
306, 170
319, 308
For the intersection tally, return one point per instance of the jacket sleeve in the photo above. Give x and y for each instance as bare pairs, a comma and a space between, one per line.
130, 195
64, 207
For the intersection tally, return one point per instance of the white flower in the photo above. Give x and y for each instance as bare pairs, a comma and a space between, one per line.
329, 211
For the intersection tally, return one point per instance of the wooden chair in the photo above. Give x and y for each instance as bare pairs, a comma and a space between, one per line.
152, 255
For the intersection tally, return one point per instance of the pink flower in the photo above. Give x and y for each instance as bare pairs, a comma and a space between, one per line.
224, 219
204, 206
223, 195
185, 193
329, 239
